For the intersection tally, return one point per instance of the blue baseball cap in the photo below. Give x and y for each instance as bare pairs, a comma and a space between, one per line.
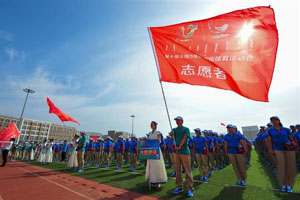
297, 125
205, 131
197, 129
178, 118
275, 117
229, 126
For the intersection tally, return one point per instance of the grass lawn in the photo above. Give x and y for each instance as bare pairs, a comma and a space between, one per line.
221, 187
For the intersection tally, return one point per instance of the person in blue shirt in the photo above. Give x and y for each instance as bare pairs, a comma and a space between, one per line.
280, 143
167, 152
163, 147
126, 151
57, 148
171, 146
200, 151
236, 150
108, 150
120, 147
64, 150
89, 151
193, 159
97, 152
133, 149
211, 149
297, 140
219, 153
293, 131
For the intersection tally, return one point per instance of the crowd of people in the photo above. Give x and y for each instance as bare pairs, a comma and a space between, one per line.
207, 150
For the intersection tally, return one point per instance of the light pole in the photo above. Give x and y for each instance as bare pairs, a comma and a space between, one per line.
132, 116
27, 90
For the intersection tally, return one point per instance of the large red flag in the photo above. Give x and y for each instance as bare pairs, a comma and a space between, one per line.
60, 114
234, 51
9, 132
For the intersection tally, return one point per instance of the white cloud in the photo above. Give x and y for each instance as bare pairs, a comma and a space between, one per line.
15, 55
6, 35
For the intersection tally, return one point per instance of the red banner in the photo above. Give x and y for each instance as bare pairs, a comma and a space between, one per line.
94, 138
234, 51
9, 132
60, 114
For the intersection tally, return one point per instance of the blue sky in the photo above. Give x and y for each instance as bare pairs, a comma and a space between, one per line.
94, 60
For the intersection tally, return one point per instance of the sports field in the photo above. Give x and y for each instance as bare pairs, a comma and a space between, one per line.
221, 185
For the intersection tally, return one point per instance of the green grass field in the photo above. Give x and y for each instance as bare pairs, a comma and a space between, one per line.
259, 183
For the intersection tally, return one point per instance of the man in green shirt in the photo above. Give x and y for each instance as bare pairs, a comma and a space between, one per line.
182, 157
80, 151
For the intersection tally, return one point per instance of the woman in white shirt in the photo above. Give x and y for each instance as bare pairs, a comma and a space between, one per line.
156, 171
5, 149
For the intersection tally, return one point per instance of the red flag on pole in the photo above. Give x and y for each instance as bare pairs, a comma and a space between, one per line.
234, 51
60, 114
223, 124
9, 132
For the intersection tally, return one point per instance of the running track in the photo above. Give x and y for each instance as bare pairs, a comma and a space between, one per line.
21, 181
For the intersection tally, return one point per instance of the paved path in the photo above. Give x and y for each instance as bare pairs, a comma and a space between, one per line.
21, 181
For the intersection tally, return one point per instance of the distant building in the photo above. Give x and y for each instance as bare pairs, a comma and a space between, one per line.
35, 130
113, 134
61, 133
31, 130
6, 120
94, 134
250, 132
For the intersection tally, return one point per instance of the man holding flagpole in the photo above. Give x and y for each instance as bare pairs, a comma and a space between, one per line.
182, 157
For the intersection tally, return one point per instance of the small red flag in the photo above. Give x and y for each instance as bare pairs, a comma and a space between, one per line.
60, 114
9, 132
94, 138
234, 51
223, 124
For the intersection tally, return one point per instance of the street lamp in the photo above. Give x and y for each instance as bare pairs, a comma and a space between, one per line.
27, 90
132, 116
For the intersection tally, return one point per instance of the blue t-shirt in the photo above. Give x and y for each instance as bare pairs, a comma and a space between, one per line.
170, 145
97, 146
279, 139
119, 146
126, 146
64, 147
215, 141
89, 146
209, 141
133, 146
70, 147
190, 142
108, 146
220, 141
233, 142
297, 137
199, 144
162, 145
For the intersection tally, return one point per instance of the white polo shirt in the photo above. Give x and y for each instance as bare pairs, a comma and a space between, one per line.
7, 145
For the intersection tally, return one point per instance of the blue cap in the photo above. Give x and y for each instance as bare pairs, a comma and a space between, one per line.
197, 129
297, 125
269, 124
210, 131
234, 126
178, 118
205, 131
292, 126
229, 126
275, 117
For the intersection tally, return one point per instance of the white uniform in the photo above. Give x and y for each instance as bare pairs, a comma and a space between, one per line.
156, 170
